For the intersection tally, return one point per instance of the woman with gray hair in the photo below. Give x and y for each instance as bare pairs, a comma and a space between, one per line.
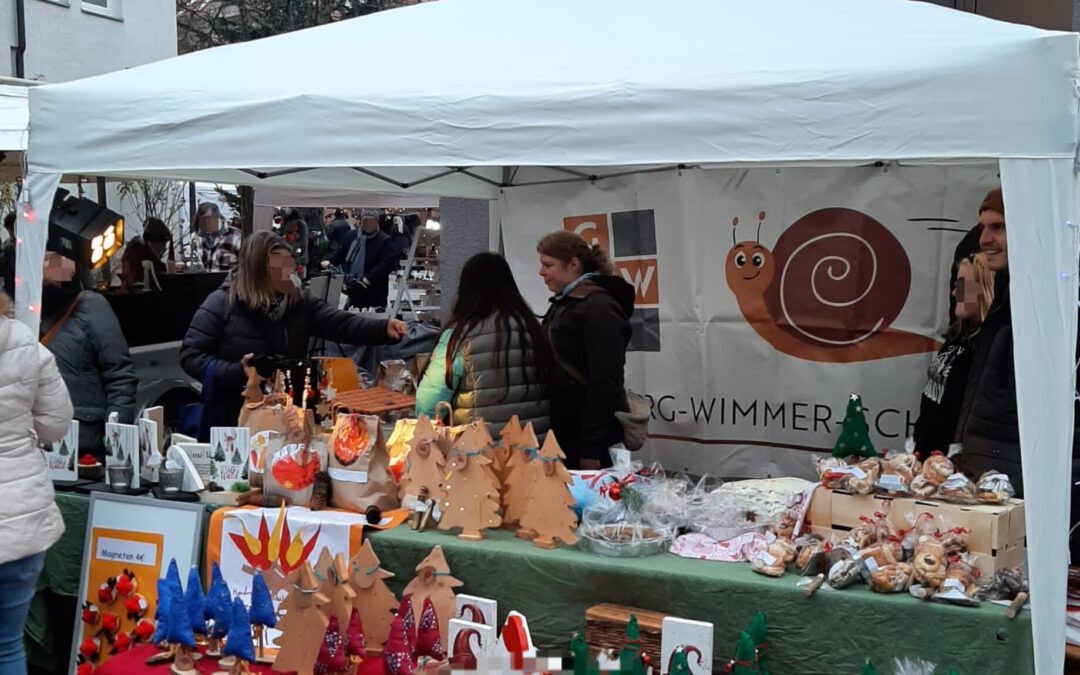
367, 257
219, 243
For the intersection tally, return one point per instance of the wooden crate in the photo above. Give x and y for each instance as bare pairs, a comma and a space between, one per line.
605, 628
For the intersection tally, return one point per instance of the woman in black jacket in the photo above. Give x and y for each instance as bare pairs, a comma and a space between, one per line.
260, 310
589, 327
947, 377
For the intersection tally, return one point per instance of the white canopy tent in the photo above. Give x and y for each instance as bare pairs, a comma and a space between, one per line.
541, 89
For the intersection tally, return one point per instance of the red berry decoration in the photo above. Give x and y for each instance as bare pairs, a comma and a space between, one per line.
144, 630
90, 648
121, 643
85, 669
615, 492
90, 613
136, 606
107, 592
110, 621
126, 584
646, 660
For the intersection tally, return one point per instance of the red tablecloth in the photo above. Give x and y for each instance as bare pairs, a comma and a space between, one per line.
134, 663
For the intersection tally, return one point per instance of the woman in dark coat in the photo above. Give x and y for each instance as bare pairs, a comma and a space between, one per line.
589, 327
261, 311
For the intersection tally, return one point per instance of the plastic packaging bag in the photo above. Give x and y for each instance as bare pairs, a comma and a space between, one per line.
864, 475
937, 468
898, 470
958, 489
834, 472
891, 578
994, 488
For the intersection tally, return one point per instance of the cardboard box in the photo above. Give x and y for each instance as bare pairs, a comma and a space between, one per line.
993, 527
848, 509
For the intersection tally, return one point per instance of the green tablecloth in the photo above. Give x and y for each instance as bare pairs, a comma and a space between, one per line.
832, 633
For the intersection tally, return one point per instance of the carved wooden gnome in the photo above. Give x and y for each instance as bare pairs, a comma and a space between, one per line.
433, 581
550, 509
374, 601
470, 496
304, 625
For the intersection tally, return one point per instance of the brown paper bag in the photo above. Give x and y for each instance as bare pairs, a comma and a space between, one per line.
291, 468
273, 417
360, 466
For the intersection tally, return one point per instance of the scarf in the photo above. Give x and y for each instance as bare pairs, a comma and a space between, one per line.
355, 261
573, 285
276, 309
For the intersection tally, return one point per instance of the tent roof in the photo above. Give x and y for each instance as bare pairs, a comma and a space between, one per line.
490, 83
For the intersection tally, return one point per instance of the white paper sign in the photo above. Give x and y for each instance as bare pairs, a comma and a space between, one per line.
199, 456
62, 459
127, 552
149, 450
695, 638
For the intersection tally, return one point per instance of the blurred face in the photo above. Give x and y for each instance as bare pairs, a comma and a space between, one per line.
369, 225
210, 223
58, 269
556, 274
993, 241
967, 293
282, 265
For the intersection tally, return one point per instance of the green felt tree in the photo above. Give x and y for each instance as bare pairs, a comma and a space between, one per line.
679, 665
630, 656
745, 662
584, 664
759, 633
869, 668
854, 433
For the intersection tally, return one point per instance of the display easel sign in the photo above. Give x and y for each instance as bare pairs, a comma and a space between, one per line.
122, 456
149, 450
62, 458
129, 543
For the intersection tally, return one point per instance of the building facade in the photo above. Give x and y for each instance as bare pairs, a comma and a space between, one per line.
61, 40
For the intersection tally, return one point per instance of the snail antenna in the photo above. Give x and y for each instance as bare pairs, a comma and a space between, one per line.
734, 226
760, 220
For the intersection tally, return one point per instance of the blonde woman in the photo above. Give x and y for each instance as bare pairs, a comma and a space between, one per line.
947, 377
261, 310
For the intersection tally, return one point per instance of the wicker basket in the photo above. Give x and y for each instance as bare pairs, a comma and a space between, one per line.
605, 628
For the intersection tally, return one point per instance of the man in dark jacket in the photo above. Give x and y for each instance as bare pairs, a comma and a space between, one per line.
337, 231
368, 256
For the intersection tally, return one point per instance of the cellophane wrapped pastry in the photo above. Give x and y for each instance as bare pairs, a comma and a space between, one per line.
834, 472
930, 563
770, 561
898, 469
937, 468
893, 578
810, 553
994, 487
845, 572
958, 489
864, 475
922, 488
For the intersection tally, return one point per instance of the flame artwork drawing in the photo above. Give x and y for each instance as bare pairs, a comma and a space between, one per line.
280, 545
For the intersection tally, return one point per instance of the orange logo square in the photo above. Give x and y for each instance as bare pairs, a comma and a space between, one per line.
594, 229
643, 275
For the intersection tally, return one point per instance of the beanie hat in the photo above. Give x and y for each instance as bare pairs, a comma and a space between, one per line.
993, 202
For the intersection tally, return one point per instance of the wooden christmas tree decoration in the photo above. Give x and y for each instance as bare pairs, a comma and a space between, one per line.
425, 461
510, 431
491, 451
219, 606
520, 468
238, 645
263, 615
470, 497
374, 601
433, 581
336, 587
304, 625
549, 510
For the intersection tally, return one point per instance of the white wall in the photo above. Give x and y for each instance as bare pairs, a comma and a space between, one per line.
64, 42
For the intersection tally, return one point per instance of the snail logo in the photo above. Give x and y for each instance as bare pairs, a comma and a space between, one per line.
828, 291
629, 238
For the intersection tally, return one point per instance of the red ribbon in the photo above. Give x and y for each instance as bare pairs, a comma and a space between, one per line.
730, 667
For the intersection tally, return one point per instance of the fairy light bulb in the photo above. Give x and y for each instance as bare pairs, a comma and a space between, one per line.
29, 213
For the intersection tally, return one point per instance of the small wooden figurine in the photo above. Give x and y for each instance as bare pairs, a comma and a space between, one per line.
433, 581
549, 511
374, 601
470, 497
304, 625
424, 463
521, 466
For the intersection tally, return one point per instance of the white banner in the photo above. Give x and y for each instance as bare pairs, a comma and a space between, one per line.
766, 297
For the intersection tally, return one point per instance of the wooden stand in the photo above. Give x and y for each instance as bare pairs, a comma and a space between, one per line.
184, 662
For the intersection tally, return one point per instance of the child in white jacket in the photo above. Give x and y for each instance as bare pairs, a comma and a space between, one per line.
34, 408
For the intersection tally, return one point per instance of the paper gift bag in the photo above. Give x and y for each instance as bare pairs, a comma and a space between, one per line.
290, 469
360, 474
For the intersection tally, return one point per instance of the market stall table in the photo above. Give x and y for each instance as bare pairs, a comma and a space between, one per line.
134, 663
834, 632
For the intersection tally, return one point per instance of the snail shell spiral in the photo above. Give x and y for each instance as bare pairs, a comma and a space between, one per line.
841, 277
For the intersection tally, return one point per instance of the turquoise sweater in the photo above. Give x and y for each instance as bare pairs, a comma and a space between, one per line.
433, 387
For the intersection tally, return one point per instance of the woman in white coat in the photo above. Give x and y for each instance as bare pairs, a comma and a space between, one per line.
34, 408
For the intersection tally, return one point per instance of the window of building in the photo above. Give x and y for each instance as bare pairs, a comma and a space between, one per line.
110, 8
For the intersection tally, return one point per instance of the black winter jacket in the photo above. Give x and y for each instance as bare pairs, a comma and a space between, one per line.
92, 355
589, 332
225, 332
380, 259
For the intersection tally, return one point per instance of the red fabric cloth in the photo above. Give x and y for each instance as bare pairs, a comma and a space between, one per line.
134, 663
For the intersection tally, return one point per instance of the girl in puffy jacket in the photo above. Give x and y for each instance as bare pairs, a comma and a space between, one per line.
34, 408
